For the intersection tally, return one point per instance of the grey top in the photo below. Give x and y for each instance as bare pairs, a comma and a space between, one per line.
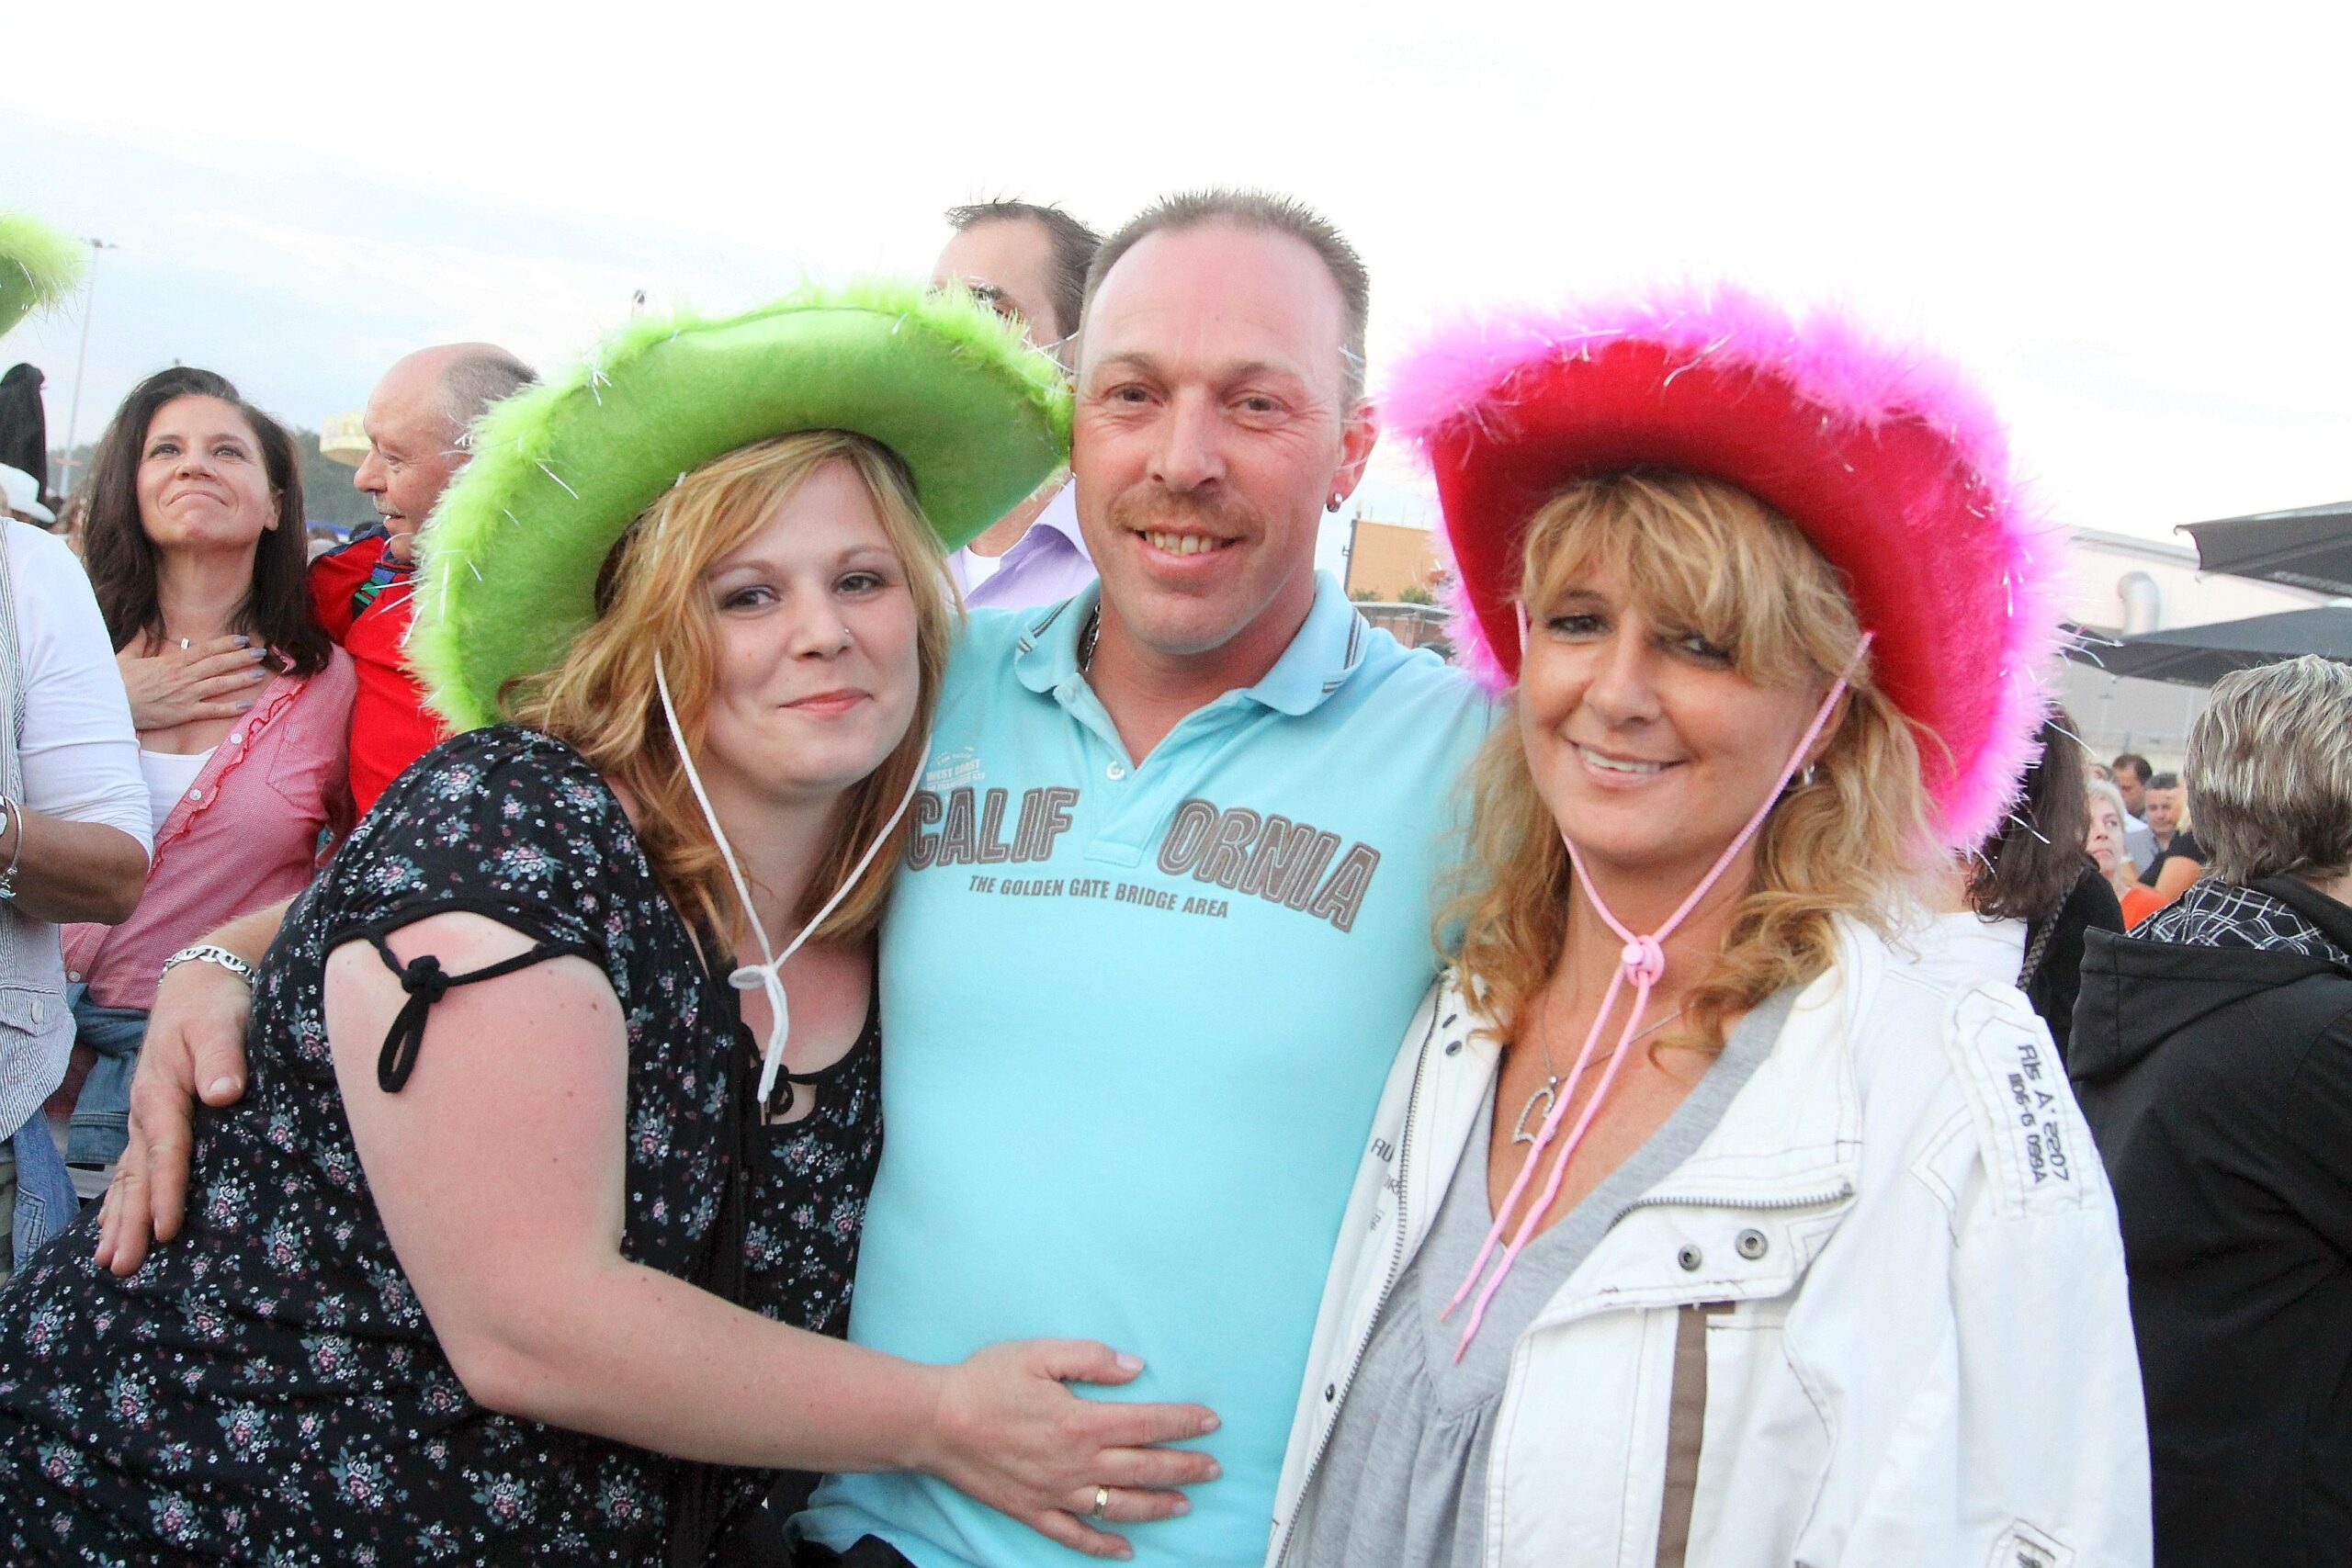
1404, 1480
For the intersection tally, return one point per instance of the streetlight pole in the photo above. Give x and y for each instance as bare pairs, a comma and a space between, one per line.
82, 355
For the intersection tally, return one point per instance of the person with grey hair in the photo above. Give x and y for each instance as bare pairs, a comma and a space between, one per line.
2106, 839
416, 421
2212, 1056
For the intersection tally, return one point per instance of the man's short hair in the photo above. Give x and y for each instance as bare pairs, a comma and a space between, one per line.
471, 384
2163, 780
2140, 767
1264, 213
2271, 766
1070, 243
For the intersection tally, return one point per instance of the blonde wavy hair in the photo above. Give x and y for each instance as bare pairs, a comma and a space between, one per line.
602, 699
1693, 552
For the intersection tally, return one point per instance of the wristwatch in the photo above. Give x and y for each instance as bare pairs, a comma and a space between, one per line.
205, 952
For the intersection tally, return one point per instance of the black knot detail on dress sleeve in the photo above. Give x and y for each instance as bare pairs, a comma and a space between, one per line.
425, 982
425, 978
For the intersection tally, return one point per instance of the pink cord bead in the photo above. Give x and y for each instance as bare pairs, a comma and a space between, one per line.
1645, 961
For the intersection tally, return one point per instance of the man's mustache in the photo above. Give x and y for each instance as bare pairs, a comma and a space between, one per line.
1227, 516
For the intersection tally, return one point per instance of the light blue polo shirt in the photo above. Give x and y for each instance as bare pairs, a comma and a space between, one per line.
1135, 1019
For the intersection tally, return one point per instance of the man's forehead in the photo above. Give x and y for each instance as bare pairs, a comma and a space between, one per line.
998, 236
409, 394
1218, 291
1007, 254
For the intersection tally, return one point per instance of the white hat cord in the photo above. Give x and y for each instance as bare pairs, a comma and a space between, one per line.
768, 974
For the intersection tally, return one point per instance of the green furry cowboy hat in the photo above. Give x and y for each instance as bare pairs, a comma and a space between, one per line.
508, 560
39, 267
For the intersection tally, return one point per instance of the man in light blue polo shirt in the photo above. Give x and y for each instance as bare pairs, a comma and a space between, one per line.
1166, 906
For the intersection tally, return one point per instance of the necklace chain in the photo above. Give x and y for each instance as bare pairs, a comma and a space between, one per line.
1549, 1088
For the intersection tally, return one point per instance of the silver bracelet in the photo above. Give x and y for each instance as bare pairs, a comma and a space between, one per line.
205, 952
11, 816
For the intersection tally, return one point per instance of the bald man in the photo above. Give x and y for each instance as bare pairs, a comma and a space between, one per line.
416, 422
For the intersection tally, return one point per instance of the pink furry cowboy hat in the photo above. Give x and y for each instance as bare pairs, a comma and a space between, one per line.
1888, 459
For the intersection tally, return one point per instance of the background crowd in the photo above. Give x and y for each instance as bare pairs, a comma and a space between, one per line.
2183, 934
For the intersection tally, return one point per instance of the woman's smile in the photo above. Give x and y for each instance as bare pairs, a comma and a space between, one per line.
1612, 770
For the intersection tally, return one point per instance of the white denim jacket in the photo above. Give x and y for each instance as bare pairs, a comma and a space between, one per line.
1878, 1317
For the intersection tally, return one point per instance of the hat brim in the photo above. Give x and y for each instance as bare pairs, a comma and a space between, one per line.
511, 555
39, 267
20, 492
1857, 495
1892, 467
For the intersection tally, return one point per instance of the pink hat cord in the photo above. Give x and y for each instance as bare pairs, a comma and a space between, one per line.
1642, 964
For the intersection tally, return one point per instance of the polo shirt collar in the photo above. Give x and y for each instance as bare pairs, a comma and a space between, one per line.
1045, 655
1328, 648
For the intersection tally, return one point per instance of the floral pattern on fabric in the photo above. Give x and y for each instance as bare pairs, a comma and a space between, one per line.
267, 1389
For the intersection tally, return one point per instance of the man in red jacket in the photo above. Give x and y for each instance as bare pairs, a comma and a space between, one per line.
416, 422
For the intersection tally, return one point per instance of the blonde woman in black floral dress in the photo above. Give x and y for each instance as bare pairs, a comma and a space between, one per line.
504, 1256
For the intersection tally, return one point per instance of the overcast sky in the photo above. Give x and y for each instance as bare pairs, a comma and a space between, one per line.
2128, 219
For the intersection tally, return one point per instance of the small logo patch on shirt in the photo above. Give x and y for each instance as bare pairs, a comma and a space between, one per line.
960, 767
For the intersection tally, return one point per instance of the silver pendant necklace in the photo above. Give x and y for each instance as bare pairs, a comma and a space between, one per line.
1550, 1088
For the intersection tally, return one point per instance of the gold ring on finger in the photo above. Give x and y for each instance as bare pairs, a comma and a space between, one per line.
1102, 1503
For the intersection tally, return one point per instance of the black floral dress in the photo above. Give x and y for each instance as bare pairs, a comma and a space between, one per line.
265, 1389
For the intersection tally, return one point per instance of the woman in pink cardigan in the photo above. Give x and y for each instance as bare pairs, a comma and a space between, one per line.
196, 548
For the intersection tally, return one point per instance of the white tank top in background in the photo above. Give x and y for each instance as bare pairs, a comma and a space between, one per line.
168, 776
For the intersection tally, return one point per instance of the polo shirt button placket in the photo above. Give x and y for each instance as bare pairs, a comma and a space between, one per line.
1115, 772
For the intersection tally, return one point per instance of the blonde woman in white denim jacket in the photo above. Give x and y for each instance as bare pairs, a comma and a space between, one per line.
1876, 1319
1803, 1256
